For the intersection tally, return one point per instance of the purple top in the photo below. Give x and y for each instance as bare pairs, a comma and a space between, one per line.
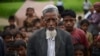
96, 18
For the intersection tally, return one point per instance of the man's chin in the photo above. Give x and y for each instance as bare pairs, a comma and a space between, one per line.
69, 29
51, 28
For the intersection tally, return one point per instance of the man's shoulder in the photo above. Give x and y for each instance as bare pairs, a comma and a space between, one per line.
77, 30
63, 32
36, 34
39, 31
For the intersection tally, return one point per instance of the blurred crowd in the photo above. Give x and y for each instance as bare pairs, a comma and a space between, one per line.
86, 33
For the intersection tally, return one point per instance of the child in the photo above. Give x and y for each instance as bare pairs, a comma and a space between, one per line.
11, 25
18, 36
61, 25
95, 48
20, 47
84, 24
80, 50
10, 49
7, 36
37, 24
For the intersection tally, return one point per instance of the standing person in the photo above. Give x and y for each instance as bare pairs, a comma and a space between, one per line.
86, 6
11, 21
60, 6
50, 41
84, 24
69, 18
30, 13
78, 21
95, 19
95, 47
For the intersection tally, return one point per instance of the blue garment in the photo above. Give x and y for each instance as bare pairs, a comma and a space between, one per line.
2, 49
95, 51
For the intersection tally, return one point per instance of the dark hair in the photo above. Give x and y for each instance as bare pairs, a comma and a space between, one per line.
6, 33
80, 47
84, 21
37, 20
10, 44
69, 13
19, 43
28, 10
60, 23
11, 18
18, 32
79, 17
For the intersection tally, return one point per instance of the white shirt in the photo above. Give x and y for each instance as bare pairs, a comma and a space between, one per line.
59, 3
50, 36
87, 5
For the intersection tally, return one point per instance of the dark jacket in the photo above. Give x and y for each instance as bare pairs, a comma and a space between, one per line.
2, 48
37, 44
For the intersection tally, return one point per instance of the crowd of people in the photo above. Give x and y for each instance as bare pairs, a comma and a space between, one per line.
54, 34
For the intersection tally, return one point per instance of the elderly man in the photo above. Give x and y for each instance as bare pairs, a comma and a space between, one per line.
50, 41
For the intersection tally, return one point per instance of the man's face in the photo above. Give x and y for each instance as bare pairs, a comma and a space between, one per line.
69, 23
50, 20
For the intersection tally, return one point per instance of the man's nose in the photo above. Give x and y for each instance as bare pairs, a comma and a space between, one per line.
51, 22
68, 22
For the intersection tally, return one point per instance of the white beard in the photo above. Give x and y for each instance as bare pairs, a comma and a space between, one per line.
51, 34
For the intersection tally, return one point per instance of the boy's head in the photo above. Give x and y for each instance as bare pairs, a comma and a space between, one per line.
84, 24
18, 36
10, 49
29, 11
69, 18
20, 47
37, 23
11, 20
80, 50
8, 37
61, 25
79, 18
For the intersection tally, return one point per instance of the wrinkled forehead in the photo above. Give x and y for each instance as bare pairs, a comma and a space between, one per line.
50, 15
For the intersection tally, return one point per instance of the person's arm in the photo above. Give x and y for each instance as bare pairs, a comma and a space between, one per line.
30, 46
2, 47
84, 40
69, 45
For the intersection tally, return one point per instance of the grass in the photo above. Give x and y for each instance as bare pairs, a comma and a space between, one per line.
76, 5
1, 27
9, 8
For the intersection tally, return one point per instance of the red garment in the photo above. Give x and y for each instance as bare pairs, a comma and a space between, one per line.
79, 37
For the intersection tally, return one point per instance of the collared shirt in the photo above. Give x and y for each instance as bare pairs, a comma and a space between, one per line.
50, 36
